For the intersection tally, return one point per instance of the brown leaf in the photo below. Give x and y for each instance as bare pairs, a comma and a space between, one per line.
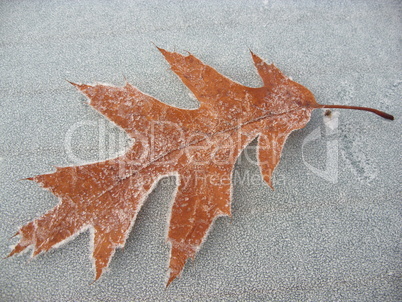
199, 146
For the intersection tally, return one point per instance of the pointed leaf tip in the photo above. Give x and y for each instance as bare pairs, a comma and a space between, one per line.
17, 249
93, 281
36, 252
268, 180
171, 278
9, 255
78, 86
256, 59
74, 84
16, 234
252, 53
163, 51
98, 274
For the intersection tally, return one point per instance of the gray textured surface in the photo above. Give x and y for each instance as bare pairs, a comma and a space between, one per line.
309, 240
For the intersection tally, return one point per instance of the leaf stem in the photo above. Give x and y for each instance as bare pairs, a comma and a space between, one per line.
378, 112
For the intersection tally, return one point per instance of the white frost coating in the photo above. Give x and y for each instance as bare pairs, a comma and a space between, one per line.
72, 237
192, 96
332, 120
12, 246
169, 213
55, 246
92, 249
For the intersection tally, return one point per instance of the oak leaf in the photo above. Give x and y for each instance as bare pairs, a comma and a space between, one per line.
199, 146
